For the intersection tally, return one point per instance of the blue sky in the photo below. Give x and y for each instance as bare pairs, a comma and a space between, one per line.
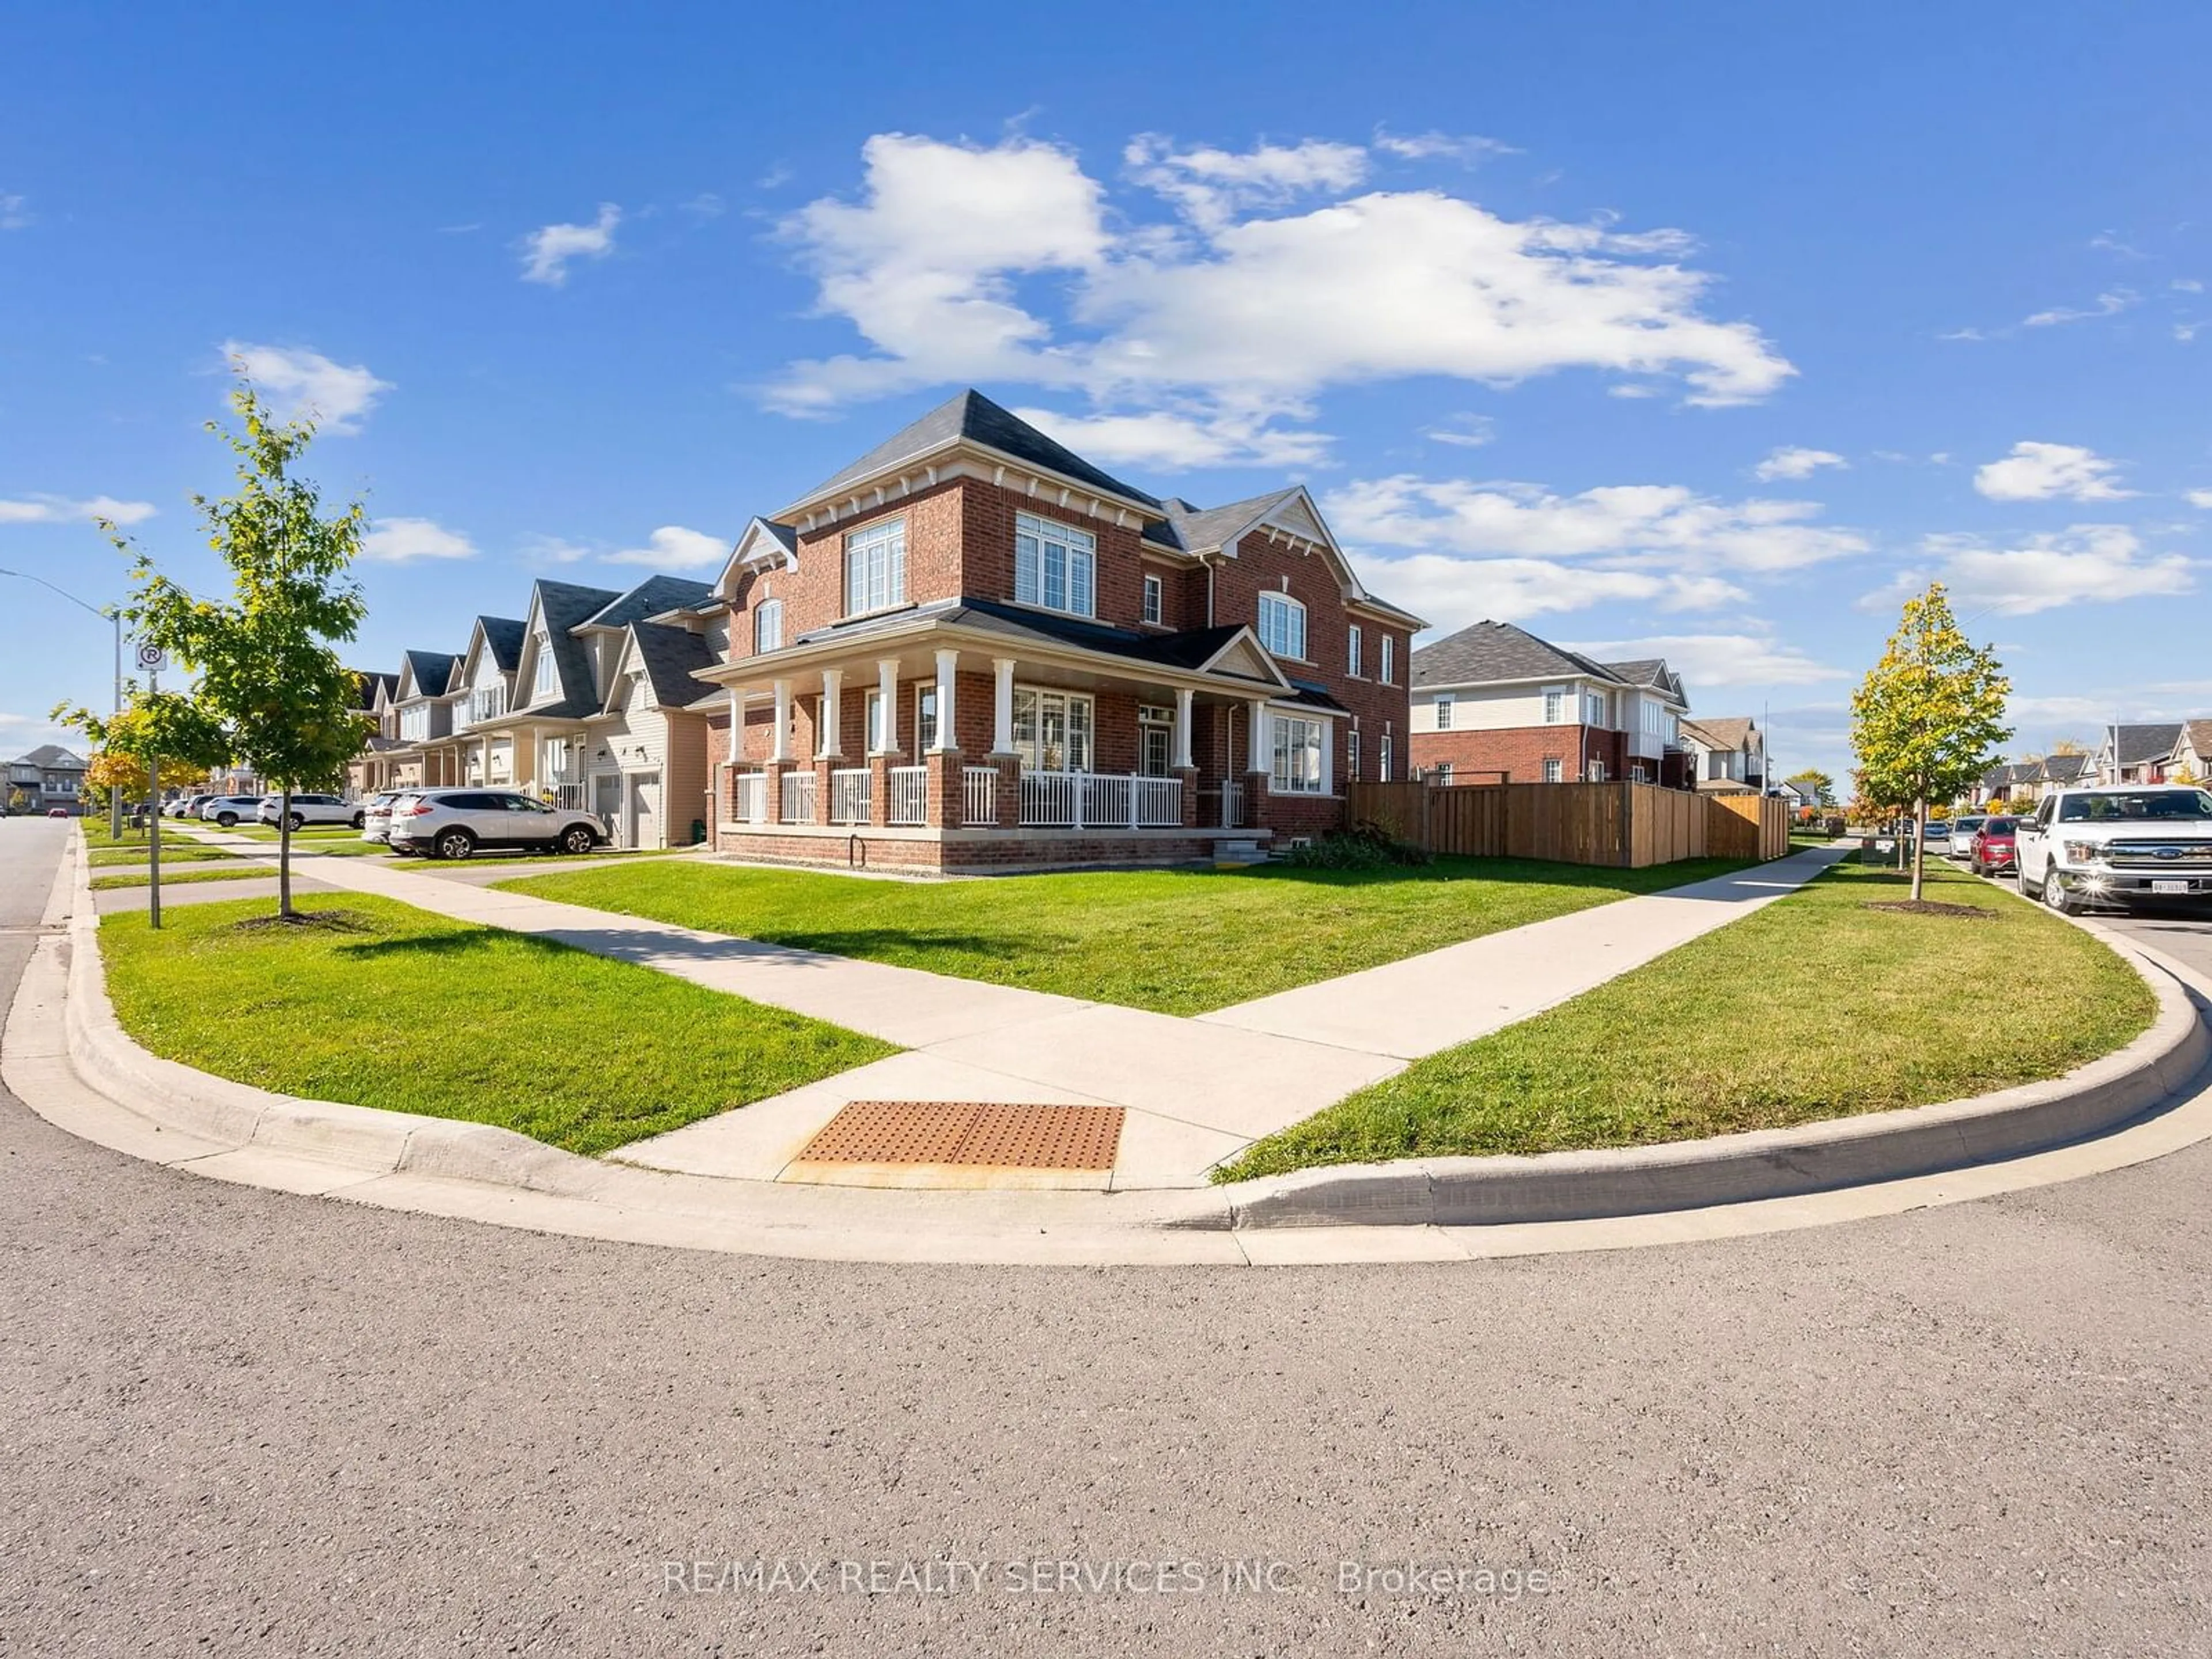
1703, 331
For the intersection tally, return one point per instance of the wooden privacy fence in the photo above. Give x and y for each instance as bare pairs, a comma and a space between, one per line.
1625, 824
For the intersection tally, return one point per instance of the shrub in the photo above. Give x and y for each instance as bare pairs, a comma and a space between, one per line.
1365, 845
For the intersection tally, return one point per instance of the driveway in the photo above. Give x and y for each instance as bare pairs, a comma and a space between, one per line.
241, 1422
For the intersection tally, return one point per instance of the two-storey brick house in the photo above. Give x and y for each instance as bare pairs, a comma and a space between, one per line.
973, 648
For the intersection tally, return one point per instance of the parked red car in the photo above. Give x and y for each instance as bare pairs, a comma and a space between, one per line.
1991, 854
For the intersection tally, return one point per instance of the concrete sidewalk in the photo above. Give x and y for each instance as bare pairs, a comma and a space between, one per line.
1196, 1092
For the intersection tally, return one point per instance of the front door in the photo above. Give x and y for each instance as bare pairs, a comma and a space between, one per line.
1155, 748
645, 809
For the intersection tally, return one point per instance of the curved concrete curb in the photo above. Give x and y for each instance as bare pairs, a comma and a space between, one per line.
1758, 1164
70, 1059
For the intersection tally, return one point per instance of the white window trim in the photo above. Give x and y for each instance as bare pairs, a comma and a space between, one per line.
1072, 698
1388, 664
1555, 769
1285, 605
1555, 705
768, 611
1354, 664
1278, 782
1445, 701
888, 534
1352, 755
545, 676
1080, 548
1153, 605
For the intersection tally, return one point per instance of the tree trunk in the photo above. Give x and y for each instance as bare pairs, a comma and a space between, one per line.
1919, 843
284, 855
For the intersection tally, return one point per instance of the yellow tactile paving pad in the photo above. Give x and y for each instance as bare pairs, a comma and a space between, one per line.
1023, 1137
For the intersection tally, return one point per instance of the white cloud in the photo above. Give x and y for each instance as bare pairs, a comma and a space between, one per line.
675, 548
1170, 441
1451, 593
1720, 659
553, 550
2040, 471
1796, 463
1440, 146
59, 509
1521, 519
2186, 285
2086, 564
702, 207
14, 212
2200, 498
1247, 300
402, 541
1463, 431
300, 382
546, 251
2109, 304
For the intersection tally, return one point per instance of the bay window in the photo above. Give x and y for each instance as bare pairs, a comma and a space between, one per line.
1283, 625
1297, 756
1054, 566
875, 568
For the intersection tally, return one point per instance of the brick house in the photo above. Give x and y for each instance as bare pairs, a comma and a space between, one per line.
1494, 704
972, 648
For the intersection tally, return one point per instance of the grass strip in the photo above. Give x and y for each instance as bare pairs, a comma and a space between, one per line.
1174, 941
172, 850
1816, 1006
385, 1005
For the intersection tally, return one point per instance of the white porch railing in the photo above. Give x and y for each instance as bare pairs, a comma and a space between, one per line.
797, 803
569, 796
749, 798
909, 795
1086, 800
1232, 804
979, 794
848, 795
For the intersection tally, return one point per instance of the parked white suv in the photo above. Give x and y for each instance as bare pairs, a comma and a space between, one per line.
2117, 846
452, 823
310, 809
376, 816
229, 809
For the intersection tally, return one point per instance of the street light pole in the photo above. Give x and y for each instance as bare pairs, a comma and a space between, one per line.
110, 613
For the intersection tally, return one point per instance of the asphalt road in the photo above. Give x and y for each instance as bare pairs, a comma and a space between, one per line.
236, 1422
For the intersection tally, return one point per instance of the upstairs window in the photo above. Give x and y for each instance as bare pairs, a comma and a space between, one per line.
1055, 566
1388, 643
1353, 666
767, 626
1593, 708
875, 568
1444, 711
487, 702
546, 679
1555, 705
1152, 598
1283, 625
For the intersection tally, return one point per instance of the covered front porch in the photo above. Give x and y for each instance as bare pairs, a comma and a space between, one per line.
936, 755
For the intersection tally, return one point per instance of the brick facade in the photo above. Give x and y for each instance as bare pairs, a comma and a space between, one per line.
1520, 751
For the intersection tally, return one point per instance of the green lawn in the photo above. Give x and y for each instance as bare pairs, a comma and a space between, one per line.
1175, 941
412, 1012
313, 832
172, 848
1814, 1007
234, 872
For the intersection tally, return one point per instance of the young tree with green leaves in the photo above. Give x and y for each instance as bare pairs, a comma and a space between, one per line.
152, 730
268, 673
1928, 718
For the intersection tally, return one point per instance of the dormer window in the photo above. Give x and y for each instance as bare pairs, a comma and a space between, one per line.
1054, 566
547, 679
1283, 625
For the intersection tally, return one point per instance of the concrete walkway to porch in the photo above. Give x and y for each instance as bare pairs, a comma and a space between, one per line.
1196, 1092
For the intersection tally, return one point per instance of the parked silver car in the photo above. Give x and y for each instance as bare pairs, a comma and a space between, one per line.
452, 823
376, 816
229, 811
308, 809
1962, 836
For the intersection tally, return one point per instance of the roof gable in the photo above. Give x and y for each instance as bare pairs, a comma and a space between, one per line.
666, 660
765, 543
424, 674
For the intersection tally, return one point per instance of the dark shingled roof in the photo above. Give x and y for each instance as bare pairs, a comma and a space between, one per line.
1186, 651
1730, 732
976, 418
54, 755
432, 669
654, 596
1196, 530
370, 683
1489, 651
2134, 745
563, 606
2064, 769
671, 656
503, 639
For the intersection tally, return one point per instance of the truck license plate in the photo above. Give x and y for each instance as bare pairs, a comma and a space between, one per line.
2169, 887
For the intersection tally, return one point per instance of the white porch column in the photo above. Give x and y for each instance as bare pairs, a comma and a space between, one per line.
781, 748
1259, 759
948, 664
1002, 705
1184, 699
887, 695
830, 744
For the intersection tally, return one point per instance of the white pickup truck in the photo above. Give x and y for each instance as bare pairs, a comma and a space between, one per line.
2119, 845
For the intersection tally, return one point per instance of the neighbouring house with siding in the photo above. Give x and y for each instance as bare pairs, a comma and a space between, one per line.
2136, 753
972, 648
1727, 756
